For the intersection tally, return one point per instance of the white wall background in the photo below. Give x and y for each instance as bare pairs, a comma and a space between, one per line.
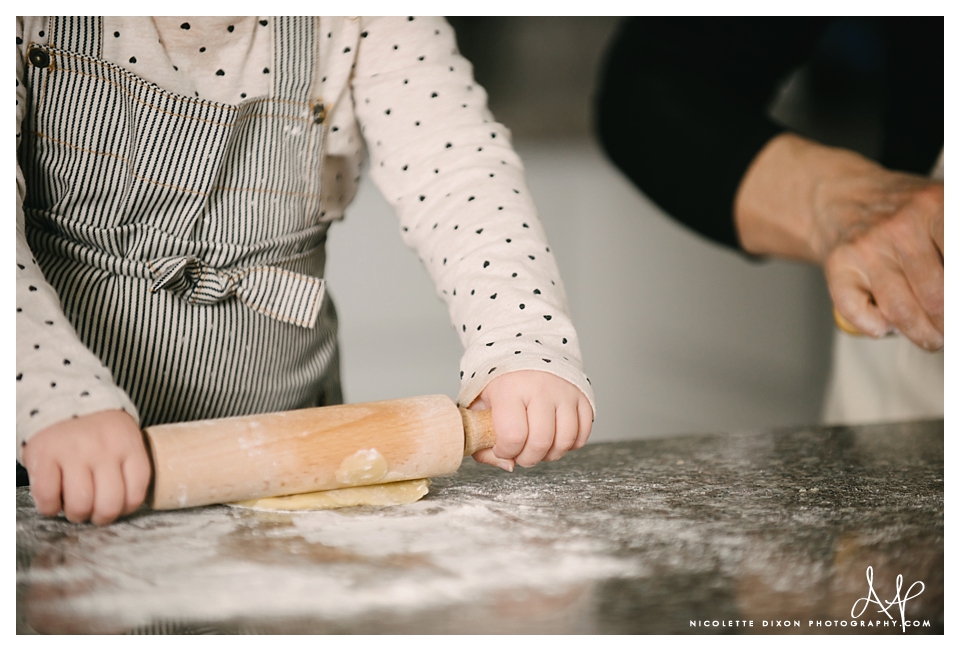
678, 335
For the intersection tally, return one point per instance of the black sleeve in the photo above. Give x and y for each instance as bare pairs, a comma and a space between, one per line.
914, 69
682, 107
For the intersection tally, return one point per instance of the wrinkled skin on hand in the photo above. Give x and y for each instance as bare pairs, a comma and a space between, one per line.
877, 233
883, 253
94, 467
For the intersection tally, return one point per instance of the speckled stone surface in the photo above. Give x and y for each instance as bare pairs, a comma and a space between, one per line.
655, 536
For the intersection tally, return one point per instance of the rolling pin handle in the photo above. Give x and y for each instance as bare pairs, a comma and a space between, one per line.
845, 325
478, 431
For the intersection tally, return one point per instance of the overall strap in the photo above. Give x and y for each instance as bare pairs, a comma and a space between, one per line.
295, 61
80, 34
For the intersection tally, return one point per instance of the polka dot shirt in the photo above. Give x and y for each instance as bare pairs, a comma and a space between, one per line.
396, 86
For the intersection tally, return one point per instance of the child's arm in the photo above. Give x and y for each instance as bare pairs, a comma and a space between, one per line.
62, 387
58, 378
459, 191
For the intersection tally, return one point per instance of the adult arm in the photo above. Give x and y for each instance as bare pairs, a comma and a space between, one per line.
877, 233
682, 111
682, 104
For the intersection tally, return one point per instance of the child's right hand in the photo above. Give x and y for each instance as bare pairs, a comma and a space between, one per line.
93, 468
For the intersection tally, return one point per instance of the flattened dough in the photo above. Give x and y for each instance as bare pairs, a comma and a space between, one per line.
399, 492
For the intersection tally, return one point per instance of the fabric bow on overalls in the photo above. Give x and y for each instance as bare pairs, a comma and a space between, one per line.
278, 293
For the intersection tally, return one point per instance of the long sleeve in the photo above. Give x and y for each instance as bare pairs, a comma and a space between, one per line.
57, 376
682, 108
459, 191
501, 283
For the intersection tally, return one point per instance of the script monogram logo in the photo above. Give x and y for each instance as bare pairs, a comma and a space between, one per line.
901, 602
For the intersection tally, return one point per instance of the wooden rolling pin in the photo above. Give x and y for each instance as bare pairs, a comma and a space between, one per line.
285, 453
845, 325
851, 329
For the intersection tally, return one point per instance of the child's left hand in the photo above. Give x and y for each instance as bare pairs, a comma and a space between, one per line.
537, 416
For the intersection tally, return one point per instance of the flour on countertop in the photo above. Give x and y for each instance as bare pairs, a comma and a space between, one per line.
218, 563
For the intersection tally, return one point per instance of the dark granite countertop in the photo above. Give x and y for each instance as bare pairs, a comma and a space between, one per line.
777, 529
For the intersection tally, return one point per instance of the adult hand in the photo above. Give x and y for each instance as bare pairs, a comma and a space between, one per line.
94, 467
877, 233
884, 256
537, 417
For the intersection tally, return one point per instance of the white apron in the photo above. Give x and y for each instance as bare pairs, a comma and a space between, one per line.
890, 379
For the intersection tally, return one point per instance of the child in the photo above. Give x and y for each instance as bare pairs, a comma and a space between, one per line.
176, 178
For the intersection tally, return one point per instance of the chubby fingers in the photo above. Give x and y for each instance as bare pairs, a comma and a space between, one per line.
108, 494
136, 479
537, 417
554, 430
45, 485
565, 435
525, 432
488, 457
92, 468
585, 416
108, 490
541, 431
77, 493
509, 415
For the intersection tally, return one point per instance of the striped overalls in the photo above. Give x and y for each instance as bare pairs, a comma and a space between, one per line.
183, 236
